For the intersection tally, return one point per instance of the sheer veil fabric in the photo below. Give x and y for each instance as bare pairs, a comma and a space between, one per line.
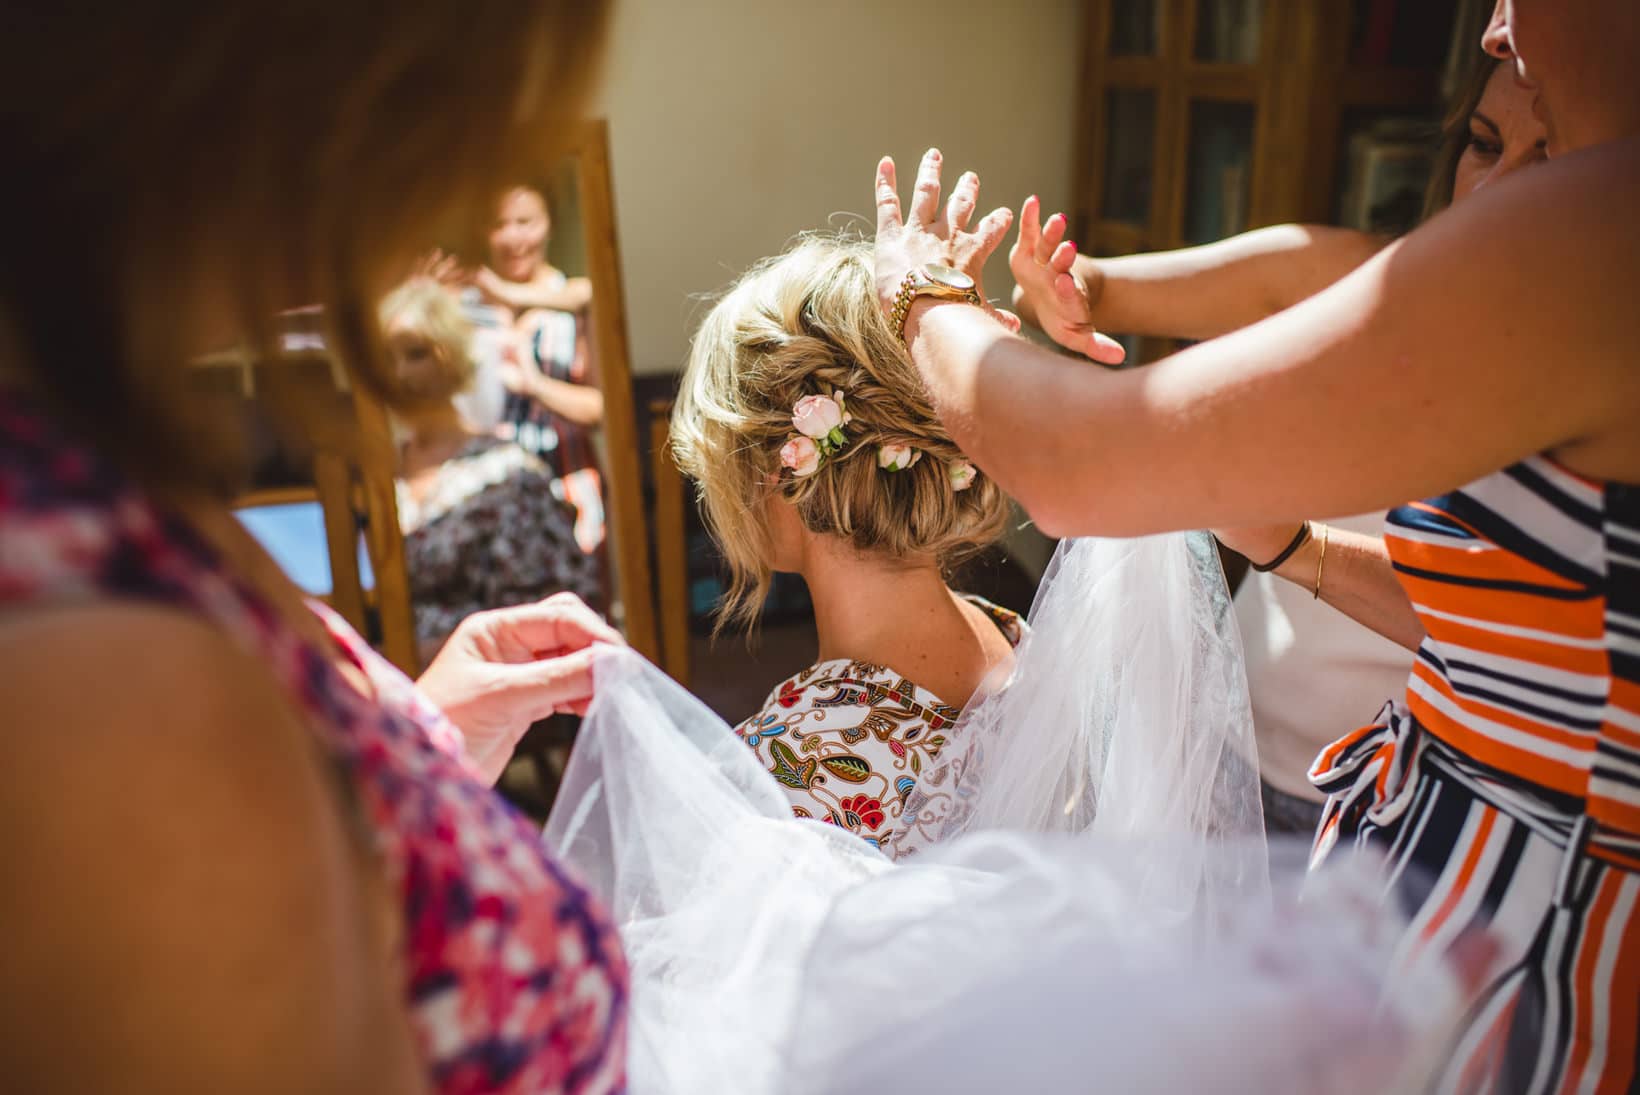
1084, 903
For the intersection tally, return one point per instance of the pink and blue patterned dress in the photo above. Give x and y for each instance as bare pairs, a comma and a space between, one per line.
515, 981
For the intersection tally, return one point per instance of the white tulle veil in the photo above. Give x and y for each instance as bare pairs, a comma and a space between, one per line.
1083, 900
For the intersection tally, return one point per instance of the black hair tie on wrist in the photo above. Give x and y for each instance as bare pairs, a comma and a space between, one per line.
1300, 538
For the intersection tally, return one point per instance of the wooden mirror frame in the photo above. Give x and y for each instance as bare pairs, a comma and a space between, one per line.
628, 536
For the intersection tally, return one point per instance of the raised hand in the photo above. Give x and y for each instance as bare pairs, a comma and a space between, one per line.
443, 268
1051, 290
925, 235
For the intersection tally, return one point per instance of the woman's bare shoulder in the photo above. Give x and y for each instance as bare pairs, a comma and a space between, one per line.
174, 838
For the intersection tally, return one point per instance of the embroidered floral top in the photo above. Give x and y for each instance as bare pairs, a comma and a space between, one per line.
848, 739
515, 980
491, 532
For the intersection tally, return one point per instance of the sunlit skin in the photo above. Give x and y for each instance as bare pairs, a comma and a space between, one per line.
1221, 287
1504, 136
1575, 59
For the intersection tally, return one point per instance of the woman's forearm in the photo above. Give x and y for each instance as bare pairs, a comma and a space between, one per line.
1354, 574
1012, 406
582, 404
1203, 292
573, 295
1422, 370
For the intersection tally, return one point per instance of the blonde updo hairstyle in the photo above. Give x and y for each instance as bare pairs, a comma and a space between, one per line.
425, 313
807, 323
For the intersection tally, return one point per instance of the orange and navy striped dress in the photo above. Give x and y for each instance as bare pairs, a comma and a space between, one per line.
1504, 791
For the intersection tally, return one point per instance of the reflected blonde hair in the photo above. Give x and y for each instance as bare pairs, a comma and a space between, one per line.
431, 314
807, 323
254, 152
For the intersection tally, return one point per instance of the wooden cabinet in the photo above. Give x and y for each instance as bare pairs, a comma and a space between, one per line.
1201, 118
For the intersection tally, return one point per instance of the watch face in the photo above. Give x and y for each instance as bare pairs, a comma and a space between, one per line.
951, 279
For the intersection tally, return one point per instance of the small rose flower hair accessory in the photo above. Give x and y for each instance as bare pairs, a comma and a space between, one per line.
962, 474
801, 456
897, 457
819, 421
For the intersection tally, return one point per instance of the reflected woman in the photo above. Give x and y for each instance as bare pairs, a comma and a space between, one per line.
553, 400
482, 526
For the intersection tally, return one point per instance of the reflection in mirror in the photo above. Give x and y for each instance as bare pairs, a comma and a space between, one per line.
506, 488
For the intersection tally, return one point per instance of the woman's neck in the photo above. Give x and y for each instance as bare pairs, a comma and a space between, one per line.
866, 606
903, 616
432, 437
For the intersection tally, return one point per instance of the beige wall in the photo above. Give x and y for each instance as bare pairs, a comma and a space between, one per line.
736, 124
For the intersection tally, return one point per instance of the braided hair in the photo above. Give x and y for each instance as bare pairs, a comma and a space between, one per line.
807, 323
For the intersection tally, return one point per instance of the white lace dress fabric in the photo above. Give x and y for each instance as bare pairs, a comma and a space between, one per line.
1087, 915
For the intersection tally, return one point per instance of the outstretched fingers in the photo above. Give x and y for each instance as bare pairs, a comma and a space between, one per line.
991, 230
960, 209
888, 197
925, 198
1030, 226
1053, 231
1064, 257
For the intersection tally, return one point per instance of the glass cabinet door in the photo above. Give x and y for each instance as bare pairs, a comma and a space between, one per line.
1227, 31
1130, 142
1219, 183
1135, 28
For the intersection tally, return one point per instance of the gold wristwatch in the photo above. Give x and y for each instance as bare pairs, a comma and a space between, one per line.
939, 282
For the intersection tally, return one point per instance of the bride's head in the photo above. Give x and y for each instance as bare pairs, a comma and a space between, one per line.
803, 421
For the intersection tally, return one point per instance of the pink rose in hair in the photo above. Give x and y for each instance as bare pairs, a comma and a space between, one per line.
817, 416
962, 474
897, 457
800, 455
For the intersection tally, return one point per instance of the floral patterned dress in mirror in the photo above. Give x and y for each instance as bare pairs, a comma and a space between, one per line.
847, 740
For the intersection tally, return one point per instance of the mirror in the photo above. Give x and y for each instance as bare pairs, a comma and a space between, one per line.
516, 478
526, 482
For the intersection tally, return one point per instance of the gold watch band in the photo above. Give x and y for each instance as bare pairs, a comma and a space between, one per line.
911, 288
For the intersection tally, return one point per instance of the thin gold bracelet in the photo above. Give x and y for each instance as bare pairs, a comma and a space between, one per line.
1320, 562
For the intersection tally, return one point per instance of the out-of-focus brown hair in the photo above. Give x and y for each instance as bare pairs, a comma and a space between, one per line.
191, 155
1455, 134
1455, 126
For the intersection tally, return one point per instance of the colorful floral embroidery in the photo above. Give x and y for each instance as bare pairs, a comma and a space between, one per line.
859, 737
859, 810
